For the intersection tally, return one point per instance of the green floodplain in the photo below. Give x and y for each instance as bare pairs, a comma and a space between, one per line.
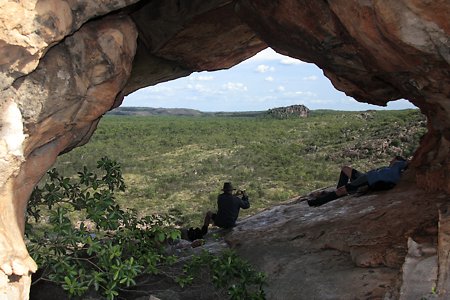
177, 164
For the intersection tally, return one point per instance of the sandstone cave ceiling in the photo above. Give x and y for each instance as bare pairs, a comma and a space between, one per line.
64, 64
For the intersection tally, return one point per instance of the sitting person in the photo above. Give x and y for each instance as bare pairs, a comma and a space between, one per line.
229, 206
350, 180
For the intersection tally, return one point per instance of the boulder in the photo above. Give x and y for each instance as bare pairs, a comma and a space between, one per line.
380, 245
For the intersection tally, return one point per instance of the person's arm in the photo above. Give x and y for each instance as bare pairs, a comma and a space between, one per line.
244, 200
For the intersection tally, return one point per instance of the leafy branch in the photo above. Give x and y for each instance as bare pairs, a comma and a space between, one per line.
108, 248
105, 251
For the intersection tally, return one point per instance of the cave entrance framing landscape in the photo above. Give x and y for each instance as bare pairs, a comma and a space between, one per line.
64, 67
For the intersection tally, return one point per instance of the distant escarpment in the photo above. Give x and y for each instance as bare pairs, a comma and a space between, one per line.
150, 111
292, 111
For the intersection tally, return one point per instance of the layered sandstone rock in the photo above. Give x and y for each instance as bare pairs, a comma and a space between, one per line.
54, 108
374, 246
65, 63
30, 28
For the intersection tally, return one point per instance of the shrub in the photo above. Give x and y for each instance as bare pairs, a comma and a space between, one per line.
104, 251
108, 247
228, 272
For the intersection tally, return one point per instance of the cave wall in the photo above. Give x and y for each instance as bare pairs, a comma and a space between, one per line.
65, 63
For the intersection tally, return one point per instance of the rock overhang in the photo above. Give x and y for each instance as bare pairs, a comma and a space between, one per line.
64, 64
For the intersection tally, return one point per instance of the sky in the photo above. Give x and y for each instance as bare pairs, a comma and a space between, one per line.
266, 80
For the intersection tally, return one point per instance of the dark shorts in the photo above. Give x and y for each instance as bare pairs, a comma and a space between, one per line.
220, 223
356, 174
359, 181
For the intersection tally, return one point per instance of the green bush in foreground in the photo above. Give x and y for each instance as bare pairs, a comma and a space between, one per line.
111, 247
229, 272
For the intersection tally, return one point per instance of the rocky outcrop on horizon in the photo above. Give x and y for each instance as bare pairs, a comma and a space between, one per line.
299, 111
65, 64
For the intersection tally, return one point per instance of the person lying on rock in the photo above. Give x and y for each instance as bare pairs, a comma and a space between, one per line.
229, 205
350, 180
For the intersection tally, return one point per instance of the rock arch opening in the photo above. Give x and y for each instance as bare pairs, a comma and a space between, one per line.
63, 67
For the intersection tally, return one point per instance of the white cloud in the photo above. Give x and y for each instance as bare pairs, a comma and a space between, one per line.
310, 94
269, 54
201, 78
235, 86
265, 55
198, 88
157, 89
322, 101
264, 68
312, 77
300, 93
281, 88
269, 78
262, 99
347, 100
290, 61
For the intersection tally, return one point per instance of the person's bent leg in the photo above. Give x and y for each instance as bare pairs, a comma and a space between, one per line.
207, 221
344, 176
353, 186
355, 174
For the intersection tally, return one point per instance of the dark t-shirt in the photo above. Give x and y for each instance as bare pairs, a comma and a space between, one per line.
228, 209
387, 174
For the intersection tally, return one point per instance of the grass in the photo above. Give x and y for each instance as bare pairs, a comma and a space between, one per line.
178, 165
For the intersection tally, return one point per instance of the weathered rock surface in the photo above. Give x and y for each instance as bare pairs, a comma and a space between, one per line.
376, 246
65, 63
30, 28
50, 111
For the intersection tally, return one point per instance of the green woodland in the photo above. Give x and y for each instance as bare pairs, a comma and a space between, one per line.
177, 165
104, 219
